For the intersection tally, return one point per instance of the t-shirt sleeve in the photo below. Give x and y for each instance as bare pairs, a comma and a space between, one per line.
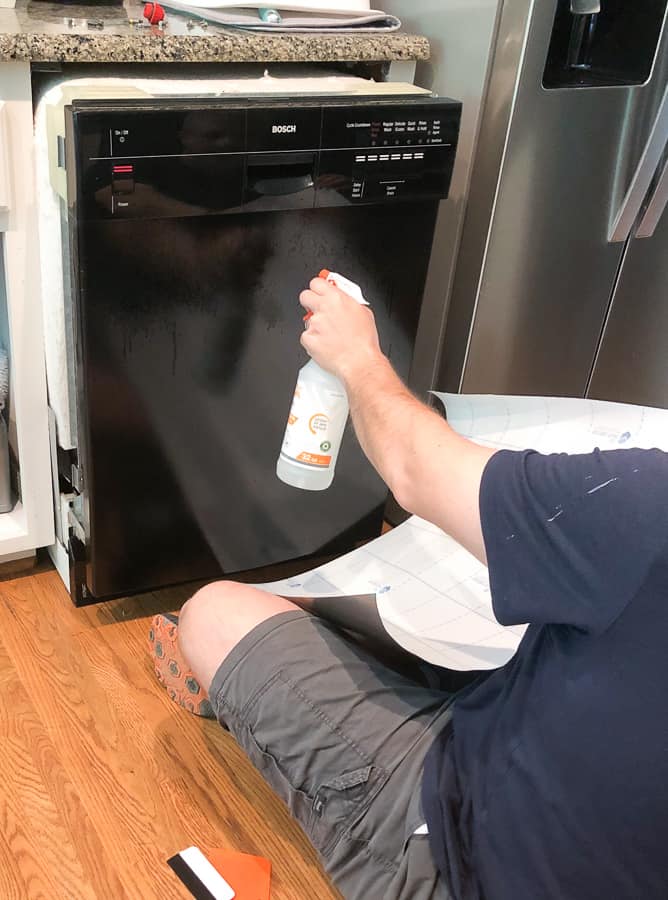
571, 538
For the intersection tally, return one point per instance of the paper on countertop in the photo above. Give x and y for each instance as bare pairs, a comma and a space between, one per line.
322, 16
334, 7
433, 596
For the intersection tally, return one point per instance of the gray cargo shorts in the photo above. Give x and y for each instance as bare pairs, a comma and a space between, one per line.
341, 738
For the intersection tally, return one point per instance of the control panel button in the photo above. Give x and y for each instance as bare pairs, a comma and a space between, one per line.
119, 137
163, 132
391, 188
122, 179
358, 190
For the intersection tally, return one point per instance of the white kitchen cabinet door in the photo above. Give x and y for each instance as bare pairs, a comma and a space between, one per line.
30, 524
5, 202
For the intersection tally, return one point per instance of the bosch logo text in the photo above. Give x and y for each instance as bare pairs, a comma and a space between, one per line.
283, 129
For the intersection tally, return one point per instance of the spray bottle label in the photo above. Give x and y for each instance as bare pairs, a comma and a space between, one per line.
316, 422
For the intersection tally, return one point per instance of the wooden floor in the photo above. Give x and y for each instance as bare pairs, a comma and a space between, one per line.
102, 776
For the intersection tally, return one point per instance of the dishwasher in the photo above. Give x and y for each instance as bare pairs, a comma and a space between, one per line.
189, 223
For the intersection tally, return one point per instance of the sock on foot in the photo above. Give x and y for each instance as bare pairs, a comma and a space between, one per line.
171, 669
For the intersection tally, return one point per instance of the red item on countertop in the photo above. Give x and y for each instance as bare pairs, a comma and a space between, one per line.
154, 13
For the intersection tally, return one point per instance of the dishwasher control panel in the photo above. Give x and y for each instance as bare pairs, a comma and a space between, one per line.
132, 159
381, 152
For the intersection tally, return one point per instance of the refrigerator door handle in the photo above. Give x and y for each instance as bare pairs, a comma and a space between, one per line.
656, 206
628, 214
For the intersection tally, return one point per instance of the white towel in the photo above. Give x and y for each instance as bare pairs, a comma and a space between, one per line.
59, 358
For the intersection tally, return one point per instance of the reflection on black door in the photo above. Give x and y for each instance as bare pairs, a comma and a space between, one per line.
190, 336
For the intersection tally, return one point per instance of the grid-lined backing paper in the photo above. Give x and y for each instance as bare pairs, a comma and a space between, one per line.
433, 596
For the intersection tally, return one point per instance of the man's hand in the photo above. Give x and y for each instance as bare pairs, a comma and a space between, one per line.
341, 335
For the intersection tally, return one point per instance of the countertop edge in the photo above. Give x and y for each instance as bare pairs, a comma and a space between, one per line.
227, 46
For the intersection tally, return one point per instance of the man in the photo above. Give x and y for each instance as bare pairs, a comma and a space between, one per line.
547, 778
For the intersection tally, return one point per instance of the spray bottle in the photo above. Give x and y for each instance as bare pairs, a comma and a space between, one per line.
317, 418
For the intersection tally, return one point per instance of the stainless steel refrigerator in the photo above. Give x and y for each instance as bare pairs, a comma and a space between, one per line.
549, 271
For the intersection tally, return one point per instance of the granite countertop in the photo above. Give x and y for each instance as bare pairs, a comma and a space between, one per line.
39, 31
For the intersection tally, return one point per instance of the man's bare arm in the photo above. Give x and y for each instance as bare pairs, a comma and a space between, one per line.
431, 470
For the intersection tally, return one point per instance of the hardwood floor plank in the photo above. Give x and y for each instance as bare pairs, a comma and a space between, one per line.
38, 805
107, 774
113, 785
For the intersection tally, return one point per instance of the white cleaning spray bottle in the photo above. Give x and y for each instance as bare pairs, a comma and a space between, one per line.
317, 418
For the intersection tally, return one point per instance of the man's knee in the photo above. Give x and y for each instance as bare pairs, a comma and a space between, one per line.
205, 636
203, 614
217, 617
204, 605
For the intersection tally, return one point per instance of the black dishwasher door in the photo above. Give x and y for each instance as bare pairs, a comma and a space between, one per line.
188, 334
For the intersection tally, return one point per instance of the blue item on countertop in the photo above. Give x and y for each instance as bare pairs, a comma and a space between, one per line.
270, 16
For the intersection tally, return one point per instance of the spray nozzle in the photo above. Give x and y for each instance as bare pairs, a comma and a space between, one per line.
344, 284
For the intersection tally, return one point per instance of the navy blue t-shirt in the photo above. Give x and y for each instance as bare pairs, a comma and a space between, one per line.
552, 783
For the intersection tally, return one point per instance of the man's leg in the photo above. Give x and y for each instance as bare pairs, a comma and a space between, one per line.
339, 736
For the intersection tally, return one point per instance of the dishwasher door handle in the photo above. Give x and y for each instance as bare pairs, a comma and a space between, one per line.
281, 185
280, 174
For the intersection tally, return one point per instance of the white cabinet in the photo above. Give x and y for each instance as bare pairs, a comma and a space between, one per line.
30, 524
4, 163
